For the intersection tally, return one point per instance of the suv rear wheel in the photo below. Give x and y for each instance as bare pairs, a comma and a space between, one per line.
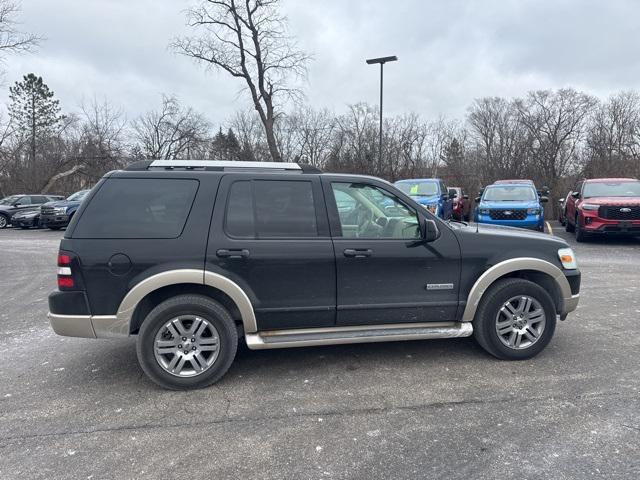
516, 319
187, 342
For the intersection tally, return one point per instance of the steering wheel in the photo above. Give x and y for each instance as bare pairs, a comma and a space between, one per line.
365, 219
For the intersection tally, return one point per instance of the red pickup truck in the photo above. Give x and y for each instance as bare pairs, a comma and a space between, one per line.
604, 206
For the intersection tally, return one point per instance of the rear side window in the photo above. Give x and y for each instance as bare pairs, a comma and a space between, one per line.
138, 208
271, 209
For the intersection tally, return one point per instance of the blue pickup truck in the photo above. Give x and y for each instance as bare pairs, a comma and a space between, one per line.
430, 192
516, 204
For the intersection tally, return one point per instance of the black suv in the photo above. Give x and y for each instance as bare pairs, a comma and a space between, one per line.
191, 255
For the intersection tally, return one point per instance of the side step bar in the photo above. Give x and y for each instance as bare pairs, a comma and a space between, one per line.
361, 334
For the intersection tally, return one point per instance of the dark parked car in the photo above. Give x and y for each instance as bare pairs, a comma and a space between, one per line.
27, 219
604, 206
9, 206
190, 256
461, 204
55, 215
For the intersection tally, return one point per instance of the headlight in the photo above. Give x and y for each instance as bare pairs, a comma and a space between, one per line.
567, 258
589, 206
60, 210
433, 208
484, 211
533, 211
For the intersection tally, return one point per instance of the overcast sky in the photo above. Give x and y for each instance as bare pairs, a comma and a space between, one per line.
450, 52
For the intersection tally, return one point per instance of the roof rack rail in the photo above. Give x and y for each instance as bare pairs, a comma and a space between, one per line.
220, 165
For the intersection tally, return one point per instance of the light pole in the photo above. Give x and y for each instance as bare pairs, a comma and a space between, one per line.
381, 61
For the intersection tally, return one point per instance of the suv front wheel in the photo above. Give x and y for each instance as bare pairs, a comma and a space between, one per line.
516, 319
187, 342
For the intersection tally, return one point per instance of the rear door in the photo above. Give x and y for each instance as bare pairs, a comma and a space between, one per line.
385, 273
271, 236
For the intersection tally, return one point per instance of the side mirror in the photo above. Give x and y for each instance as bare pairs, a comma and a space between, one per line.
575, 194
544, 199
17, 204
465, 197
561, 201
477, 200
429, 230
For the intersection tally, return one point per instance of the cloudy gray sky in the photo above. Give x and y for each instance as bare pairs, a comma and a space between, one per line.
450, 52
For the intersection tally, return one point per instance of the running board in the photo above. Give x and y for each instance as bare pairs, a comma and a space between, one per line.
361, 334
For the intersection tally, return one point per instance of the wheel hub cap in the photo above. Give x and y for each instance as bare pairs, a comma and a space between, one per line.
186, 346
520, 322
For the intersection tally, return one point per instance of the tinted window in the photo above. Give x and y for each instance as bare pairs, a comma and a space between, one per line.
239, 217
284, 209
138, 208
39, 199
24, 201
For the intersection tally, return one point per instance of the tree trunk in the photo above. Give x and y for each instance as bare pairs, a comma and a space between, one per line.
58, 176
271, 140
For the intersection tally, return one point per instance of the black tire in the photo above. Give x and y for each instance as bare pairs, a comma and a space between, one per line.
204, 307
24, 227
53, 228
484, 326
568, 226
4, 221
581, 235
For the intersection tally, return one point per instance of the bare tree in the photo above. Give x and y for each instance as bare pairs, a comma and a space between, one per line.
172, 132
248, 39
13, 40
556, 122
613, 137
499, 137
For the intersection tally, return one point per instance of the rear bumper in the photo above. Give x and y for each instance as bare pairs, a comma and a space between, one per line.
70, 316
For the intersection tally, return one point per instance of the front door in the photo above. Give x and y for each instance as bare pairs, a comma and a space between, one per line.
385, 272
271, 236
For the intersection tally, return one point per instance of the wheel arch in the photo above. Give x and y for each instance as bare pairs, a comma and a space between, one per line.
153, 290
536, 270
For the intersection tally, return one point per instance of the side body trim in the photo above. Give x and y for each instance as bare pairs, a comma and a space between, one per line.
359, 334
569, 302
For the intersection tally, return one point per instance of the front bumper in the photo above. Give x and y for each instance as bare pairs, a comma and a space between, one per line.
591, 223
54, 220
533, 222
23, 222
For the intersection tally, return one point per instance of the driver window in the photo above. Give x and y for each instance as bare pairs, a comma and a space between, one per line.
369, 212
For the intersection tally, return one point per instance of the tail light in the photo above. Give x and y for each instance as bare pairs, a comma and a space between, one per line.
65, 275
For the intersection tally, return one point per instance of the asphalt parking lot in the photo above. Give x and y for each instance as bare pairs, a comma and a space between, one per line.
77, 408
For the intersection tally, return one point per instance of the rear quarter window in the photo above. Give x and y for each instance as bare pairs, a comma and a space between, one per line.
138, 208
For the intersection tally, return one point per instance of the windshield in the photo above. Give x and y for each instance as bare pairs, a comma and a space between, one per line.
611, 189
78, 195
509, 194
9, 200
419, 189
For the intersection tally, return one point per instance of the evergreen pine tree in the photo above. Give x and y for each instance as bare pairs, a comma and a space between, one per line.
34, 111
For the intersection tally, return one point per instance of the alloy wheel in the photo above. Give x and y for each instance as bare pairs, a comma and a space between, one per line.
520, 322
186, 346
